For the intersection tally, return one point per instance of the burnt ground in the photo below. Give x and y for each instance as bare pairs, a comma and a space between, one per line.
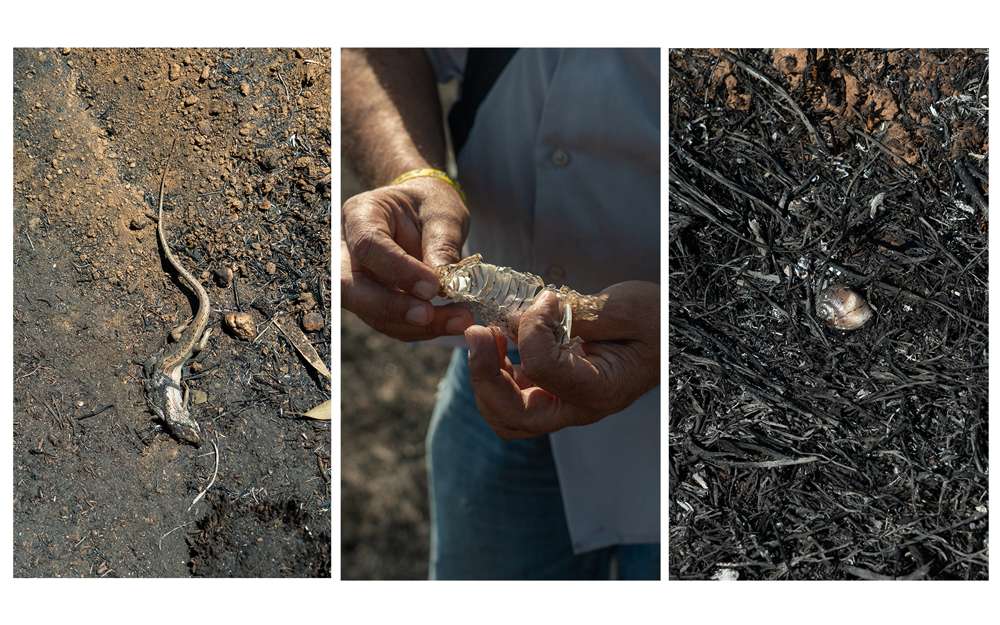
108, 494
387, 395
798, 451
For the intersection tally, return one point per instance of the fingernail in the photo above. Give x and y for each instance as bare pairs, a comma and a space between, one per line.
418, 315
455, 325
425, 290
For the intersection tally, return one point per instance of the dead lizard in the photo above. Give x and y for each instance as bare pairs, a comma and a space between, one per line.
166, 397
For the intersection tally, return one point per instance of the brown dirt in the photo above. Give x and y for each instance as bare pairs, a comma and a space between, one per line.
889, 90
249, 189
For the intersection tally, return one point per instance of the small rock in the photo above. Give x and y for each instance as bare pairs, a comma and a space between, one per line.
197, 367
241, 325
205, 71
204, 127
191, 100
198, 397
270, 268
307, 300
175, 71
245, 88
137, 224
312, 322
224, 276
56, 134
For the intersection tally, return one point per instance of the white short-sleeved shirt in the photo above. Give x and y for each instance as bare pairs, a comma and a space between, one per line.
562, 173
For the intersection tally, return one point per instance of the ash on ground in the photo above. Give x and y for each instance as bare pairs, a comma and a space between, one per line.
798, 451
99, 491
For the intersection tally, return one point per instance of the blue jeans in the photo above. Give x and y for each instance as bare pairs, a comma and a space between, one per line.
496, 506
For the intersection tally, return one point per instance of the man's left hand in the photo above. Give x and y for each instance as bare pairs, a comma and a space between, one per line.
555, 387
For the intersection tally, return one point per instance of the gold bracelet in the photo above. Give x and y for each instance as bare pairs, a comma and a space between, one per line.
429, 173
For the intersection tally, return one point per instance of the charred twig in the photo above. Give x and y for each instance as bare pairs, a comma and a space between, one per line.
95, 412
784, 96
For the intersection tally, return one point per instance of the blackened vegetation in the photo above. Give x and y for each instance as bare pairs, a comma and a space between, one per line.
259, 539
101, 491
798, 451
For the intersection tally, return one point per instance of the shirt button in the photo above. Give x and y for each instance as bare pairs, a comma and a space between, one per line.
560, 158
556, 275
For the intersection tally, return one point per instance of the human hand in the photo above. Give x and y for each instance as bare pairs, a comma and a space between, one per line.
392, 237
555, 387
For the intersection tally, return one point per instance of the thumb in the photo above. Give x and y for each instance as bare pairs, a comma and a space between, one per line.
543, 360
441, 240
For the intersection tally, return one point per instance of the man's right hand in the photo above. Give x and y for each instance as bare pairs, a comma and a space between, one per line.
392, 237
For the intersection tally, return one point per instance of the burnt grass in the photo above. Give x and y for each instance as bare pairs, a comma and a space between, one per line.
798, 451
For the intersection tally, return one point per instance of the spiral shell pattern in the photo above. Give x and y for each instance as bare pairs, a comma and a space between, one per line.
842, 308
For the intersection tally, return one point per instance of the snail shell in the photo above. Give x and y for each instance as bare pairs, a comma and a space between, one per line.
842, 308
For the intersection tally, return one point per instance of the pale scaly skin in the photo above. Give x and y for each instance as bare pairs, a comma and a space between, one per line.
164, 393
507, 293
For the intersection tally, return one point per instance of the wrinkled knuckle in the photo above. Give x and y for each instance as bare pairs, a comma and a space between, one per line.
454, 220
447, 249
347, 209
363, 244
352, 213
351, 204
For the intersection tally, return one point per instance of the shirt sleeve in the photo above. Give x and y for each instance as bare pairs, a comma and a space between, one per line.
448, 63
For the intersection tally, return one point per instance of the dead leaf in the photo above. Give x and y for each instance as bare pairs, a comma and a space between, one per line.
321, 412
298, 338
